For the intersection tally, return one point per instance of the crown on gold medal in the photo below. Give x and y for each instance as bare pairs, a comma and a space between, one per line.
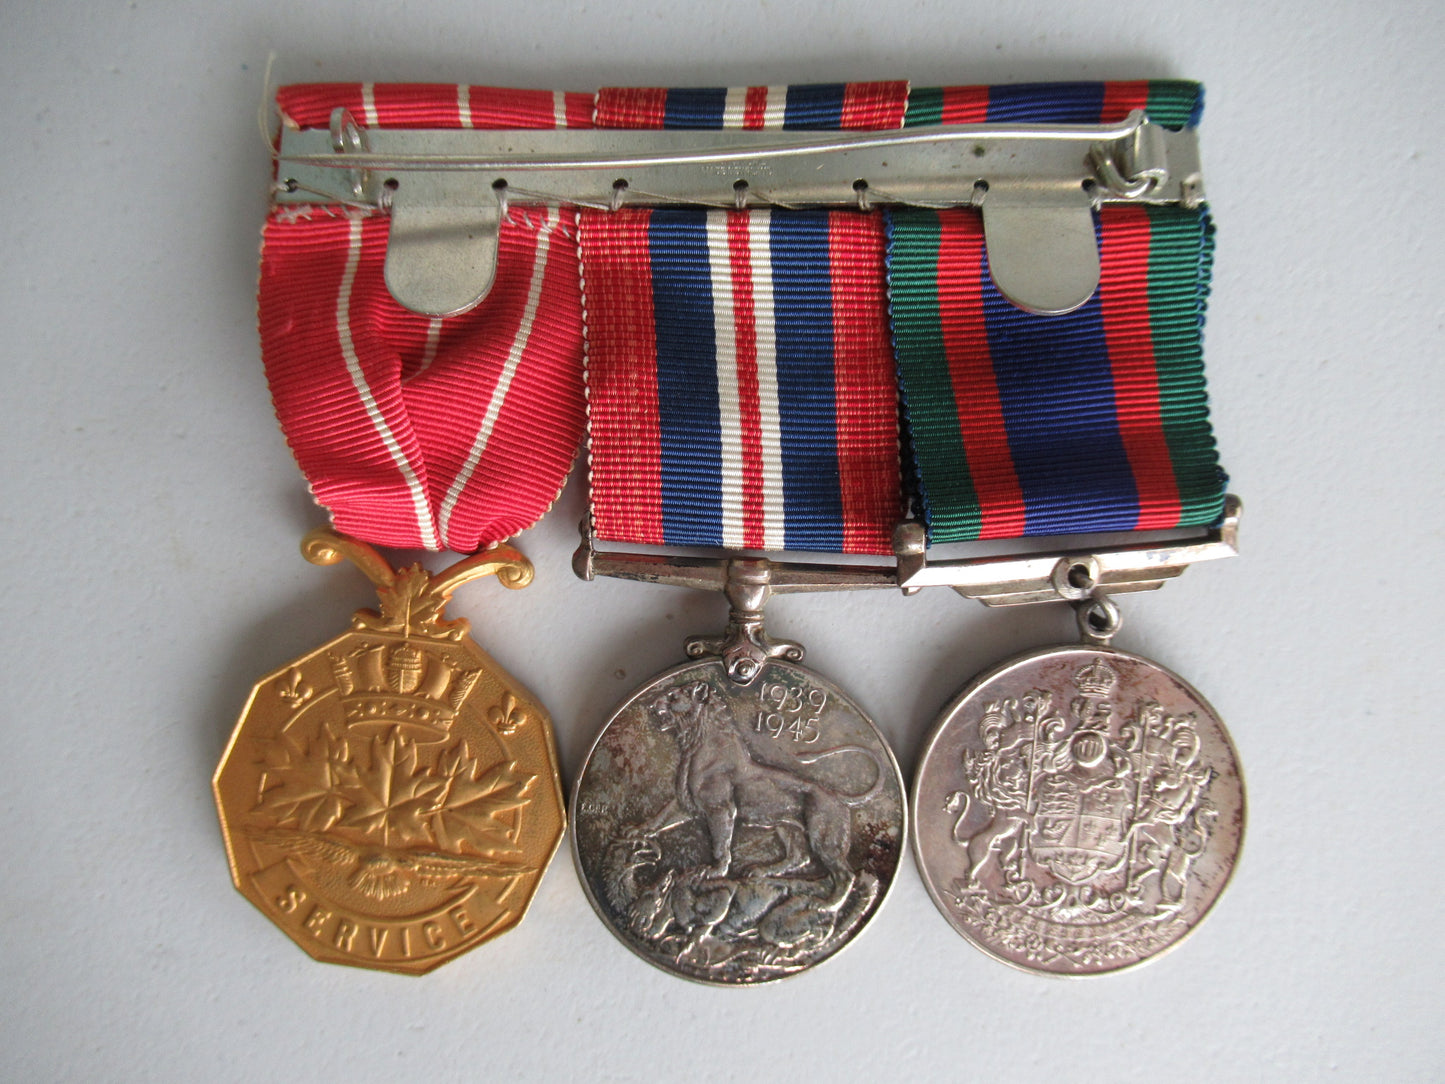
1096, 679
401, 686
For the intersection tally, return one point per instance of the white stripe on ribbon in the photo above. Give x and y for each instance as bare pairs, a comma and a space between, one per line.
777, 107
429, 348
734, 106
368, 104
559, 108
760, 250
504, 381
464, 104
363, 390
725, 347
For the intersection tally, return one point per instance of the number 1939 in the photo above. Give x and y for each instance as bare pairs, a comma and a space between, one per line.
790, 711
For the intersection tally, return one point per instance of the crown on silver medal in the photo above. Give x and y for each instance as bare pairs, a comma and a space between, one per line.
1096, 679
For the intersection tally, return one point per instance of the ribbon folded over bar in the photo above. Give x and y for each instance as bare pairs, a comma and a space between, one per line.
412, 431
1045, 425
741, 385
1095, 420
740, 394
744, 365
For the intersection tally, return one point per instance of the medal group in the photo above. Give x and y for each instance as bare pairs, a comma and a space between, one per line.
862, 320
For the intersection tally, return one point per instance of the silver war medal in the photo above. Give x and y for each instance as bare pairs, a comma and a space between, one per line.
1078, 810
739, 819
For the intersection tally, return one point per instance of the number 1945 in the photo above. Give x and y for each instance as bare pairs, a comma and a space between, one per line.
790, 710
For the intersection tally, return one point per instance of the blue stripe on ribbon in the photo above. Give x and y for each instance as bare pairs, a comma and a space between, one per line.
807, 405
1197, 113
1057, 394
695, 107
1056, 103
817, 105
691, 429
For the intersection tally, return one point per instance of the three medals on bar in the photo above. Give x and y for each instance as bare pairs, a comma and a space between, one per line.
739, 818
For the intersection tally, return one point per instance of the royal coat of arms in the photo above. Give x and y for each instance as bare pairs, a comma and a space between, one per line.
1099, 812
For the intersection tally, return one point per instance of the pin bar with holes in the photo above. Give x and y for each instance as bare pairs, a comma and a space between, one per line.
1036, 186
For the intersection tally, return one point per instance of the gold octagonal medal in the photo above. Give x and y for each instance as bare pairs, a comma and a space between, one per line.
391, 799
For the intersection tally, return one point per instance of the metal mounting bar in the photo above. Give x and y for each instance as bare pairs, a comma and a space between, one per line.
711, 574
1071, 575
1035, 185
1067, 576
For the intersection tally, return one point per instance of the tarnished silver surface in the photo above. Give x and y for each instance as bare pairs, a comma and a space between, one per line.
1077, 810
737, 834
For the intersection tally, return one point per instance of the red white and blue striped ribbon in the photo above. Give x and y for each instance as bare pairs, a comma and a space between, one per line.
806, 106
416, 431
740, 378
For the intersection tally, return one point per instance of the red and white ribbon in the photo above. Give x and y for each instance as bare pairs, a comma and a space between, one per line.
416, 431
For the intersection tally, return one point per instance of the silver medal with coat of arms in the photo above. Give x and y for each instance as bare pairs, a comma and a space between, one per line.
1077, 810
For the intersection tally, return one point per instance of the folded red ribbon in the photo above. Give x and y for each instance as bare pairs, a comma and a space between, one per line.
414, 431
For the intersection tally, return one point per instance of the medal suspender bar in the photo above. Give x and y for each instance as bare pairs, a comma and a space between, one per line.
1043, 253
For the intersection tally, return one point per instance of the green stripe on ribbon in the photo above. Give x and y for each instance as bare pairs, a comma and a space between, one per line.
1180, 247
925, 106
1181, 253
1174, 103
949, 503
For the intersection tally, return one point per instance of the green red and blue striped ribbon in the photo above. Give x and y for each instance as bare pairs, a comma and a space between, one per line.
1174, 103
1096, 420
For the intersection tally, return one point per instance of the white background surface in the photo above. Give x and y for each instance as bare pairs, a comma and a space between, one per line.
151, 514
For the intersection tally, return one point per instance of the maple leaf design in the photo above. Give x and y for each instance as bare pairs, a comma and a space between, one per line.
387, 795
298, 782
380, 791
411, 602
467, 817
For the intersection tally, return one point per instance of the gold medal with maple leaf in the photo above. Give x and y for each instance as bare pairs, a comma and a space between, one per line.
391, 799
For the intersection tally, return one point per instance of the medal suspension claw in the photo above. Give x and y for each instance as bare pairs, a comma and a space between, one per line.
413, 599
512, 569
1099, 619
323, 546
745, 646
1076, 580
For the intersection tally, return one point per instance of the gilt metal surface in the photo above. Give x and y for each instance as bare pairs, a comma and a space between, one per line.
391, 799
